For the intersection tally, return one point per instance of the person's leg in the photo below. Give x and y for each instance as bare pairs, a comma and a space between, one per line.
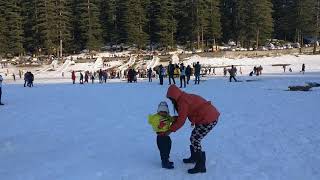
198, 79
164, 146
184, 80
234, 78
230, 78
169, 79
188, 79
198, 133
180, 81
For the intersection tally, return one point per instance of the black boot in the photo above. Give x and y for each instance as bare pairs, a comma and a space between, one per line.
167, 164
200, 166
191, 159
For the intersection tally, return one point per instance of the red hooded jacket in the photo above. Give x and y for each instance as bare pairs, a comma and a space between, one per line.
195, 108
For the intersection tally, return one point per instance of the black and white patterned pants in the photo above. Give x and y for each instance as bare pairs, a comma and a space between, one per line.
198, 133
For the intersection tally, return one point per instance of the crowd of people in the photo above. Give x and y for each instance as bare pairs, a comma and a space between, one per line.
182, 72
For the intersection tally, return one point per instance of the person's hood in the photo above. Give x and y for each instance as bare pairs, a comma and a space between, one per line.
174, 92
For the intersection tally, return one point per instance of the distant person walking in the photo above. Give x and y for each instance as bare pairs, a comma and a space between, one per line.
284, 68
160, 72
197, 69
225, 71
73, 77
188, 73
233, 72
303, 68
171, 73
81, 78
25, 79
1, 79
182, 75
86, 77
150, 74
92, 78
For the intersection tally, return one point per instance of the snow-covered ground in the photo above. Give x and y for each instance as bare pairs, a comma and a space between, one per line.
100, 131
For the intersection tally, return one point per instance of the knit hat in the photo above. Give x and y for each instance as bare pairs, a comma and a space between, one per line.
163, 106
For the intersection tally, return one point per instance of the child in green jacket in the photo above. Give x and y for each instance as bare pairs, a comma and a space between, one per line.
161, 123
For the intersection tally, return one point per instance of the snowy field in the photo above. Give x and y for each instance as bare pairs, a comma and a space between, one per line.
100, 131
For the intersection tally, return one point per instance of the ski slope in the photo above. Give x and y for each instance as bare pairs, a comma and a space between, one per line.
100, 131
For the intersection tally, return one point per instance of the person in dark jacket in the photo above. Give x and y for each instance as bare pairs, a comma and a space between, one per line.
92, 78
197, 69
81, 78
26, 78
202, 114
30, 79
150, 74
100, 76
130, 75
303, 68
86, 77
182, 75
171, 73
233, 72
160, 72
188, 73
105, 76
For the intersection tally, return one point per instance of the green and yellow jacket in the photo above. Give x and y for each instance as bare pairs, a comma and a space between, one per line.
160, 123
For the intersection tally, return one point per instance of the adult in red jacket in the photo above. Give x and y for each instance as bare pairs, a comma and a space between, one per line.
202, 114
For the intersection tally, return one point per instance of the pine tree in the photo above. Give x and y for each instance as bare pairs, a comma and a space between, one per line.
305, 18
30, 43
109, 20
90, 25
136, 23
154, 16
240, 28
233, 18
186, 23
14, 27
260, 22
77, 43
162, 23
45, 28
214, 26
3, 29
284, 18
63, 24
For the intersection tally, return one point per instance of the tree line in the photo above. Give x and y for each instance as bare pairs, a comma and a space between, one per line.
43, 26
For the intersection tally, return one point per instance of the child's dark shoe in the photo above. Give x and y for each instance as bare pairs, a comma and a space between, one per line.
167, 165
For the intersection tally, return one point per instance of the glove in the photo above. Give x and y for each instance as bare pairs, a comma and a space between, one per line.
161, 124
